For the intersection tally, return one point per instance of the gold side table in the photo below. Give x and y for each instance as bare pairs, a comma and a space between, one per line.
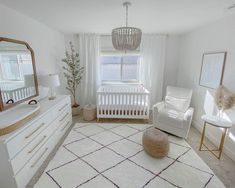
216, 122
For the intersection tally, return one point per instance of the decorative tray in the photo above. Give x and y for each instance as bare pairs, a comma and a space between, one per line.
14, 118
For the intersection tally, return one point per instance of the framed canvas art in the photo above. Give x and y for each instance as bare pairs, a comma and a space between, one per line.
212, 69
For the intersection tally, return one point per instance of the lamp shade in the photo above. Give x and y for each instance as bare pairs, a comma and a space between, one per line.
51, 80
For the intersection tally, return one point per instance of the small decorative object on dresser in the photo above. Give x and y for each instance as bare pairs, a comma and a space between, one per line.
52, 81
73, 74
24, 150
19, 115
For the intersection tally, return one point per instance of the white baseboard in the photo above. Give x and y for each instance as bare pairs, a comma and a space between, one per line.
215, 141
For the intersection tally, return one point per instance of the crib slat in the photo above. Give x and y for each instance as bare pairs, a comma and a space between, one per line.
109, 107
142, 104
128, 103
101, 103
134, 104
139, 107
112, 104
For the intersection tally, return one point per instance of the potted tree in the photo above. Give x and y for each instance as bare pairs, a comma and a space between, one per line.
73, 74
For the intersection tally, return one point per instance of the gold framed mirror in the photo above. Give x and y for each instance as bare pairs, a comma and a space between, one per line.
18, 79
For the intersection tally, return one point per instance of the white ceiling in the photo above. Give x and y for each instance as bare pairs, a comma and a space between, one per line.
100, 16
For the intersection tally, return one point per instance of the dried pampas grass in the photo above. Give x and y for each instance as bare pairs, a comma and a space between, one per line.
224, 99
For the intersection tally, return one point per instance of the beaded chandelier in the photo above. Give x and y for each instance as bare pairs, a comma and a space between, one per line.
126, 38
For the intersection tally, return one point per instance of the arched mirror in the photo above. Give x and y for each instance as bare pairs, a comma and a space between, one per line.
18, 80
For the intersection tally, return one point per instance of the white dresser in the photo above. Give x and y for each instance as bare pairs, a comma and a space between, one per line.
23, 151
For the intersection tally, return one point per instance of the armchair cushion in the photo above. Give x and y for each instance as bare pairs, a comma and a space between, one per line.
178, 98
179, 104
171, 117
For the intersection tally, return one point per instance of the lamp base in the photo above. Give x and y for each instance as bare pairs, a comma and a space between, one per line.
52, 93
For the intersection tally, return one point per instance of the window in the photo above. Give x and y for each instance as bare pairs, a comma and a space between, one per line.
13, 64
120, 68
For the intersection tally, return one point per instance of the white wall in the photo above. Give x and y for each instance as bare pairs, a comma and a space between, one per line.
218, 36
48, 44
172, 61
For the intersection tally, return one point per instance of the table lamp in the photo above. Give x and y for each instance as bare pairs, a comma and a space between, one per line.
51, 81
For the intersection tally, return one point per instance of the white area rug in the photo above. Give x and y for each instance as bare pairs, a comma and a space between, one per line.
111, 155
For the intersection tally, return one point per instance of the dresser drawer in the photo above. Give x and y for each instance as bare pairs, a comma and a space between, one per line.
17, 143
39, 157
22, 157
24, 150
65, 125
64, 115
65, 122
63, 118
63, 105
33, 165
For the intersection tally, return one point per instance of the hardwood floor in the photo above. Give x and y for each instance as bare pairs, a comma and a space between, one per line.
223, 168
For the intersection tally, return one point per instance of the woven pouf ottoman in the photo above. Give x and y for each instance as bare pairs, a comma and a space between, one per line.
155, 143
89, 112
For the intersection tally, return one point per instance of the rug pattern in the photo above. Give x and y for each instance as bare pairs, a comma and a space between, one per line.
105, 155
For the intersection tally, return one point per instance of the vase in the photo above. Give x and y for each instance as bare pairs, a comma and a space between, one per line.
220, 114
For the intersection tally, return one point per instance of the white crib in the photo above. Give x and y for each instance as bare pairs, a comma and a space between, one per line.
118, 101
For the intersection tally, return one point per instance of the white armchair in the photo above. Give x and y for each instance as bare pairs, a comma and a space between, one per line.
174, 114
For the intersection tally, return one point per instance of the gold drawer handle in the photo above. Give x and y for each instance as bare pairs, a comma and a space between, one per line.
44, 137
65, 126
35, 131
63, 107
33, 165
64, 116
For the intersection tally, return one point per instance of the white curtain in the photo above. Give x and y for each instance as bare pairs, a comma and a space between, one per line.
152, 52
89, 47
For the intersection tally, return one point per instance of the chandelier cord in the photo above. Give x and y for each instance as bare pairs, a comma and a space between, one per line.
126, 15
